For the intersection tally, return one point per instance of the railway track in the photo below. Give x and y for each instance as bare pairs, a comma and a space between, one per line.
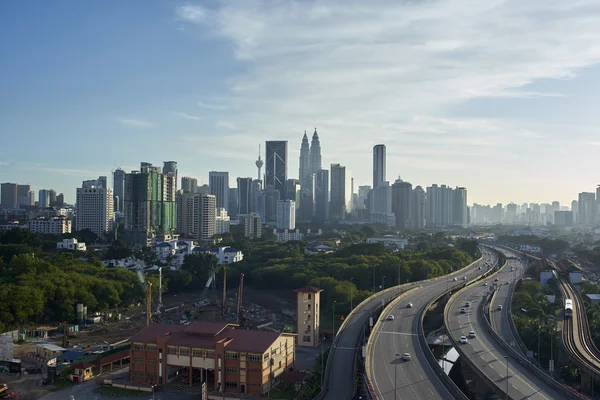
576, 333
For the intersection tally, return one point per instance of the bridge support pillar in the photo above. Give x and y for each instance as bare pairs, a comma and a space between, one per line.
482, 391
586, 382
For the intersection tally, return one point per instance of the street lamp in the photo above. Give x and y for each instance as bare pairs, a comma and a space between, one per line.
506, 377
396, 376
153, 390
333, 321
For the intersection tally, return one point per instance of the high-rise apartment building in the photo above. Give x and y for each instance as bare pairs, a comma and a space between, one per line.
276, 165
94, 208
511, 213
50, 226
198, 216
23, 195
587, 211
219, 187
244, 191
321, 195
232, 210
460, 211
222, 222
575, 210
119, 189
341, 192
188, 184
402, 203
418, 213
308, 306
149, 205
9, 196
252, 226
563, 218
44, 198
379, 165
440, 207
286, 214
170, 167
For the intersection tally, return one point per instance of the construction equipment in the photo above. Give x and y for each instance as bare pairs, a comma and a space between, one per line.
147, 286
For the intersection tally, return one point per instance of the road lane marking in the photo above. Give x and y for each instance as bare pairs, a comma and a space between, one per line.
398, 333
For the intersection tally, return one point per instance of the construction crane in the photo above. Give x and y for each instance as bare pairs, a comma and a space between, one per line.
147, 286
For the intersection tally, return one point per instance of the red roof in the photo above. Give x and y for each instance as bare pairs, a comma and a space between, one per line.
308, 289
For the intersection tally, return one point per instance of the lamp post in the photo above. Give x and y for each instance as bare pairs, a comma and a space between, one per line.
506, 357
396, 376
333, 322
153, 391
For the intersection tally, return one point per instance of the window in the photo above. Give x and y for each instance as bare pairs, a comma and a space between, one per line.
230, 385
197, 353
138, 347
306, 338
151, 376
231, 370
273, 352
254, 357
310, 296
210, 354
138, 360
231, 356
171, 350
266, 357
151, 348
151, 362
184, 351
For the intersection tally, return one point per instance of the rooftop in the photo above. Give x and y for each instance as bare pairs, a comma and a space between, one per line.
204, 334
309, 289
51, 347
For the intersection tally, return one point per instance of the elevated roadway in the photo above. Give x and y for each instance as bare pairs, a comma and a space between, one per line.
500, 321
484, 353
393, 378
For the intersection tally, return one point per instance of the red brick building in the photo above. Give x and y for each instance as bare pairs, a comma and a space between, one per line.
228, 359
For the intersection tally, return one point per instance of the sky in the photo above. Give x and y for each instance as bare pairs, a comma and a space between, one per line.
499, 96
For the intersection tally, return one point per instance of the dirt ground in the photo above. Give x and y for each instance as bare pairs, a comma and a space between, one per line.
27, 387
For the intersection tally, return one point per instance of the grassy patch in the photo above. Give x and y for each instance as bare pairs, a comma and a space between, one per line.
115, 391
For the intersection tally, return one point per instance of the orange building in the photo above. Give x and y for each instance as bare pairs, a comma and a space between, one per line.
226, 358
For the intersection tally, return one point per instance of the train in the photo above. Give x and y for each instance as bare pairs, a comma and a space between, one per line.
568, 308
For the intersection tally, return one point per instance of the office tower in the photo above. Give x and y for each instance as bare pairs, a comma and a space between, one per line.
218, 183
52, 196
306, 205
244, 191
341, 195
149, 205
460, 213
94, 207
276, 165
170, 167
119, 189
44, 198
255, 192
9, 199
363, 196
321, 190
555, 206
292, 190
401, 204
286, 214
418, 212
222, 222
511, 213
304, 163
22, 194
563, 218
188, 184
31, 198
233, 203
259, 164
271, 197
378, 165
252, 226
586, 214
203, 189
315, 153
380, 199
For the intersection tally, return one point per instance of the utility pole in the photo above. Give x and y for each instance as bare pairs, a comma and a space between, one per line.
224, 305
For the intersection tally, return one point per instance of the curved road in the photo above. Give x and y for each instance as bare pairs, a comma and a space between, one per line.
414, 379
500, 320
489, 356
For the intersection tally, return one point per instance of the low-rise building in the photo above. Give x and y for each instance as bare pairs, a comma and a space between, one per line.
223, 222
226, 358
71, 244
391, 241
48, 351
50, 226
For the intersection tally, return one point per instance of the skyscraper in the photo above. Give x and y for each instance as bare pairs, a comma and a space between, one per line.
149, 205
119, 189
23, 194
219, 187
315, 153
286, 214
198, 216
232, 209
341, 195
276, 165
460, 214
188, 184
304, 162
402, 203
418, 208
170, 167
9, 199
44, 198
378, 165
321, 195
586, 214
244, 186
94, 207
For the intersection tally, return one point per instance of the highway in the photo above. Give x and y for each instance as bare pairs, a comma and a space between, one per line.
414, 379
488, 356
500, 320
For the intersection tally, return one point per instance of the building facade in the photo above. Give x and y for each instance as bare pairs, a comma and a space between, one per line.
227, 359
276, 168
50, 226
219, 187
119, 189
321, 195
308, 303
341, 192
94, 208
8, 197
244, 186
198, 216
253, 226
286, 214
379, 165
222, 222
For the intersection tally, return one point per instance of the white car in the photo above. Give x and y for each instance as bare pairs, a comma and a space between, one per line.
464, 278
454, 279
390, 318
464, 340
499, 308
485, 284
406, 356
472, 334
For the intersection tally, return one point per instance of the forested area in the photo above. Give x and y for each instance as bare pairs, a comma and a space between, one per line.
547, 245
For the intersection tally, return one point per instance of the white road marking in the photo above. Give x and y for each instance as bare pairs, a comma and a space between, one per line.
398, 333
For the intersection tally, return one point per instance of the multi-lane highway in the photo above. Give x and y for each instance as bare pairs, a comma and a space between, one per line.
500, 320
393, 378
487, 355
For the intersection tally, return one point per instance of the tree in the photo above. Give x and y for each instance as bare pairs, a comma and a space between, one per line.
199, 265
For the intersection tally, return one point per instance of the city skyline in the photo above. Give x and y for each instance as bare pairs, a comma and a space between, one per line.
446, 113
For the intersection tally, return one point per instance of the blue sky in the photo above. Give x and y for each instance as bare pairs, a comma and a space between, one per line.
499, 96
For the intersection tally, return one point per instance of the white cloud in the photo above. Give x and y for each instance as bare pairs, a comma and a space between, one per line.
135, 122
394, 71
4, 163
191, 13
187, 116
212, 106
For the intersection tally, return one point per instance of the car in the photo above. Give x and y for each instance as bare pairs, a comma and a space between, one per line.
406, 356
390, 318
499, 308
454, 279
409, 305
496, 280
507, 283
479, 268
463, 311
468, 304
464, 340
472, 334
485, 284
464, 278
